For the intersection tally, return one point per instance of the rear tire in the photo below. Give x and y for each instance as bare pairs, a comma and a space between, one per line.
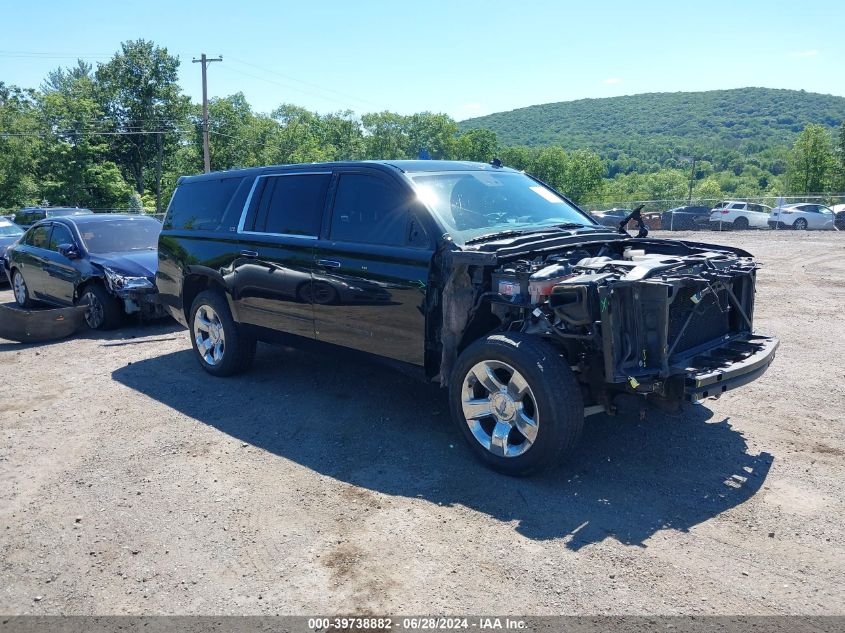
740, 224
221, 346
103, 311
800, 224
20, 290
517, 403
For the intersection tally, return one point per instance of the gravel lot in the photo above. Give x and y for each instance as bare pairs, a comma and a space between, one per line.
132, 482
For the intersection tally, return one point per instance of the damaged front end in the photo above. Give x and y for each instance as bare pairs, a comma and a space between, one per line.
662, 318
676, 327
138, 294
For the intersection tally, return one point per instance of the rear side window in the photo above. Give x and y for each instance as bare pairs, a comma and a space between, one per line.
292, 204
38, 237
201, 205
369, 210
60, 235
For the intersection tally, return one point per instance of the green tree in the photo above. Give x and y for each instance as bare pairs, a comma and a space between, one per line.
299, 137
386, 135
142, 101
550, 165
19, 145
840, 155
136, 204
479, 145
707, 190
583, 176
73, 165
811, 167
433, 133
342, 132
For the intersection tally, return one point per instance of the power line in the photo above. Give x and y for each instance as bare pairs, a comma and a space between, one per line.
305, 83
84, 133
288, 87
39, 55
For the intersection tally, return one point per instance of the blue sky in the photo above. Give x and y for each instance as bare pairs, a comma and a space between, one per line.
462, 57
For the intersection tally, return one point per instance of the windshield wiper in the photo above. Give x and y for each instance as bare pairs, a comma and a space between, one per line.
537, 229
489, 236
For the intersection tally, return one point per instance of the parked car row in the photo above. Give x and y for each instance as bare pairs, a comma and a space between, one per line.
735, 215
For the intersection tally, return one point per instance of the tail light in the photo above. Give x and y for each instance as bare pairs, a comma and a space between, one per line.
724, 211
785, 211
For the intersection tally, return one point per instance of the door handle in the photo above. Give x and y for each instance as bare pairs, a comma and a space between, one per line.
328, 263
249, 253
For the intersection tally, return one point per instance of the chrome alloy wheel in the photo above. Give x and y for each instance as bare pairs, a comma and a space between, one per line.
499, 408
209, 335
20, 288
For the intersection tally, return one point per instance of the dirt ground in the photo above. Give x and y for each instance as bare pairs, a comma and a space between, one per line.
132, 482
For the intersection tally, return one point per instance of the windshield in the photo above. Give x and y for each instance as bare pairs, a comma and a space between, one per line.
7, 229
478, 203
118, 236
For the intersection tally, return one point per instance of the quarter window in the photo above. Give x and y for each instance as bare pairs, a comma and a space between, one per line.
369, 210
293, 204
201, 204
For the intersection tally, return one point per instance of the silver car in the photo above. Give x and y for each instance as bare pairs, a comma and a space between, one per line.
802, 216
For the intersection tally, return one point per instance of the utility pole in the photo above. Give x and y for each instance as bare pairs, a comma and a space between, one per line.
205, 61
691, 181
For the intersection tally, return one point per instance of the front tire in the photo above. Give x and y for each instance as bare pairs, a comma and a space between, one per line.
102, 310
516, 402
222, 348
20, 290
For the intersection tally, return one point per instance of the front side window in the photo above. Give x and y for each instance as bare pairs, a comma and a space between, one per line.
60, 235
292, 204
38, 237
475, 203
369, 210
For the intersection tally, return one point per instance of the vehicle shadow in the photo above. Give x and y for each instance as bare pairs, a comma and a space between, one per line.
366, 424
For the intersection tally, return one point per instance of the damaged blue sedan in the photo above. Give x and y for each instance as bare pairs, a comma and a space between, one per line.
105, 262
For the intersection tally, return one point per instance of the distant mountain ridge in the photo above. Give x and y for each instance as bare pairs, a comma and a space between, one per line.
743, 119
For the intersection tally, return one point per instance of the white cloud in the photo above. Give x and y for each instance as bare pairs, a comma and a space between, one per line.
612, 81
809, 53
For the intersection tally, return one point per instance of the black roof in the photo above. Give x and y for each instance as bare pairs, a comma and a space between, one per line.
404, 166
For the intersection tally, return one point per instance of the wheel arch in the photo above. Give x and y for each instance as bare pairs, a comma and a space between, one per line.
199, 279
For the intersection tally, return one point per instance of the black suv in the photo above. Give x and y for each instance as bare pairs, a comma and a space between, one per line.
494, 284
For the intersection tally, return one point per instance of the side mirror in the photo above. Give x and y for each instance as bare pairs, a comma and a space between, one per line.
69, 250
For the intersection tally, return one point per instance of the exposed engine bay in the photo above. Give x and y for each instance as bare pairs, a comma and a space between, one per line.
646, 316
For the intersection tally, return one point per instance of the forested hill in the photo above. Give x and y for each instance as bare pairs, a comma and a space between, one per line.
745, 119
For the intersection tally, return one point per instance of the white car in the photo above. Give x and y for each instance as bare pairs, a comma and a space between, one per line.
802, 216
732, 214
